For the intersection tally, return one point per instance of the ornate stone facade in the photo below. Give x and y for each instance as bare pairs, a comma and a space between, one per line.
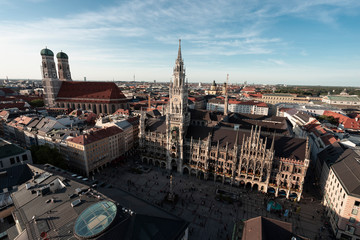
271, 163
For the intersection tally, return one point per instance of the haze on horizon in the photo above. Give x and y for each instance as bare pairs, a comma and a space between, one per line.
278, 42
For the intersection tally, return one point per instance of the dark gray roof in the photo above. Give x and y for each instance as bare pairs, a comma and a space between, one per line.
267, 228
330, 154
288, 147
150, 222
7, 150
58, 218
347, 170
198, 132
156, 125
268, 124
303, 116
14, 176
205, 115
153, 113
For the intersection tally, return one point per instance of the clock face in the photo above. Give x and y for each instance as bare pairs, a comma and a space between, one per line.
175, 99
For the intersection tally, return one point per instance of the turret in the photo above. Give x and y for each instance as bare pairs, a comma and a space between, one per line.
48, 64
51, 83
63, 66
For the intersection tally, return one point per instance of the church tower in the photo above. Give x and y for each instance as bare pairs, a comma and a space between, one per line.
63, 66
177, 117
50, 81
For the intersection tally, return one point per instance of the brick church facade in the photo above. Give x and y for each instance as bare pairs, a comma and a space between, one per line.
61, 92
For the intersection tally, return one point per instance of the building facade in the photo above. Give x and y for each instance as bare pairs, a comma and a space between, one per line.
342, 195
88, 152
236, 106
268, 163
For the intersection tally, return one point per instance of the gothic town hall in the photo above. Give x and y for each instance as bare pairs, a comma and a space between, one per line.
226, 147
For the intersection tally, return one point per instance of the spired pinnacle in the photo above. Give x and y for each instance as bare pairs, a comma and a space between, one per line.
179, 52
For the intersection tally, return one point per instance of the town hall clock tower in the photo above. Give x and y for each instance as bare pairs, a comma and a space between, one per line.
177, 117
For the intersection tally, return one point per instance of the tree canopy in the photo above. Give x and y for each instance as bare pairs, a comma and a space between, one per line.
37, 103
46, 154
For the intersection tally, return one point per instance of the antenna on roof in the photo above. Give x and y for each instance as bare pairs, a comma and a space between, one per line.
134, 77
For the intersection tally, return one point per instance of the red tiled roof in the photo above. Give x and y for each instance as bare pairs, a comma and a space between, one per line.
197, 98
351, 123
256, 103
7, 90
122, 111
95, 136
341, 118
4, 113
284, 109
103, 91
19, 105
248, 89
133, 121
328, 139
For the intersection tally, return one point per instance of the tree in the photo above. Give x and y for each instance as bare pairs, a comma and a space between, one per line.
37, 103
329, 119
46, 154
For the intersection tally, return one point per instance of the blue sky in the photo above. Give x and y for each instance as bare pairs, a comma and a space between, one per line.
273, 42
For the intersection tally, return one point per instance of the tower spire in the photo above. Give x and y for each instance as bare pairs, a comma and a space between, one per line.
226, 96
273, 143
179, 52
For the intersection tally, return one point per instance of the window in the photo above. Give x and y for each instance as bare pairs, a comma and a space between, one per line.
350, 229
17, 159
12, 161
354, 211
351, 219
1, 164
357, 203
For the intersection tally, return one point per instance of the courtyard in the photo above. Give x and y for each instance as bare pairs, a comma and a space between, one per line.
212, 217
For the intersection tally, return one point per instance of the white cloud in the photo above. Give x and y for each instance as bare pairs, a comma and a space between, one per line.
278, 62
125, 33
304, 53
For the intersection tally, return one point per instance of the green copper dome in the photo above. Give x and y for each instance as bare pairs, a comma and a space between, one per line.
46, 52
62, 55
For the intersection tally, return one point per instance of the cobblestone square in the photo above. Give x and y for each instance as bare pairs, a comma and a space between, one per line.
209, 218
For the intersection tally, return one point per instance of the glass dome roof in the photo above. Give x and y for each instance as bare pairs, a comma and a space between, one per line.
95, 219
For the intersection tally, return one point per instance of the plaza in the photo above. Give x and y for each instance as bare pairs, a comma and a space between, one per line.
197, 204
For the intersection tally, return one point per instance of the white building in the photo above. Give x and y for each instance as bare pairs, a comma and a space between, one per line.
12, 155
236, 106
350, 100
342, 195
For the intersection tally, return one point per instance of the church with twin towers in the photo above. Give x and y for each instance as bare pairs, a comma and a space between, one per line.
215, 146
60, 91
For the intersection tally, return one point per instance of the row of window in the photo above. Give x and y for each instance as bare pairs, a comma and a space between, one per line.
12, 160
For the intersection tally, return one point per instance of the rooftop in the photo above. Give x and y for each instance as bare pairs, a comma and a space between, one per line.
344, 98
262, 228
72, 210
95, 136
347, 170
8, 149
104, 91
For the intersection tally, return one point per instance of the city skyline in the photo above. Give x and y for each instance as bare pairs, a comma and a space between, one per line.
303, 42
